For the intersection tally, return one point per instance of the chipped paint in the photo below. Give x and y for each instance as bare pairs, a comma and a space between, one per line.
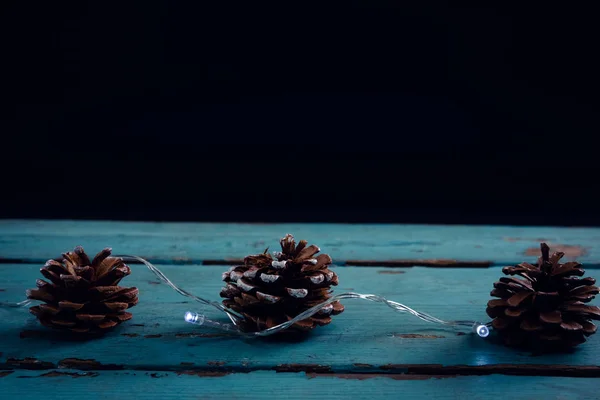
362, 377
225, 261
216, 363
520, 239
199, 335
361, 365
302, 368
583, 371
204, 374
89, 364
154, 336
437, 263
417, 336
130, 334
53, 374
5, 373
390, 272
29, 363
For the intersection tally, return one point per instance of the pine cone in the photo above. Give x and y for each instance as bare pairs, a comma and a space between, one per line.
545, 309
268, 292
83, 296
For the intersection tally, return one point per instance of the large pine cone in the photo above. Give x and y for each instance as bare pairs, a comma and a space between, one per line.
545, 309
82, 295
268, 292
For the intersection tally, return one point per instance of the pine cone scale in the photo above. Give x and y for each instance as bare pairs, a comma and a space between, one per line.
99, 258
588, 327
551, 317
307, 253
338, 308
518, 298
39, 294
90, 317
51, 276
63, 323
322, 261
69, 305
122, 317
571, 326
267, 298
49, 308
82, 257
106, 324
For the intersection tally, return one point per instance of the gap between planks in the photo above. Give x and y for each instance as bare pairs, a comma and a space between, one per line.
401, 263
396, 263
406, 370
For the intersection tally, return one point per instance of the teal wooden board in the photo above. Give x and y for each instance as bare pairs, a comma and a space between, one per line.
366, 337
194, 242
68, 384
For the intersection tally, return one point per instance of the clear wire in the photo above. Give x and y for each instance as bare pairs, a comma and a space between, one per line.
236, 319
23, 303
481, 329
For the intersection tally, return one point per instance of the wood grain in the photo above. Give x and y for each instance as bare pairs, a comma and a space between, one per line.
69, 384
396, 245
366, 338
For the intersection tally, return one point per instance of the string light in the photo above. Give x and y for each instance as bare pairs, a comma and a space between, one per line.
480, 329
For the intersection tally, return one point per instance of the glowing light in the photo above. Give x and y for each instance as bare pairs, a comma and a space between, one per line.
194, 318
481, 330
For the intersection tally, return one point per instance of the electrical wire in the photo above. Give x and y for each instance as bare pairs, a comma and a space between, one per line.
481, 329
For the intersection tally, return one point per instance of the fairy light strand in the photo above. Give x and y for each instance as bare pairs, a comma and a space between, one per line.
479, 328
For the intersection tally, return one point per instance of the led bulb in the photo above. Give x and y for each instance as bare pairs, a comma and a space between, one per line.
194, 318
481, 329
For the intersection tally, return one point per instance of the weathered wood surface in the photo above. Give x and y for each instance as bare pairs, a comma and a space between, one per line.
395, 244
366, 337
69, 384
369, 350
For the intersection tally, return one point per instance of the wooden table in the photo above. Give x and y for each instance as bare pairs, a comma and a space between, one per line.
369, 351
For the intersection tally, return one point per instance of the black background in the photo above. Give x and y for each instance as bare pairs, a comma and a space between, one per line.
333, 111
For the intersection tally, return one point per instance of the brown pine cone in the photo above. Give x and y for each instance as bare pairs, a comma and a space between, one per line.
545, 309
82, 295
268, 292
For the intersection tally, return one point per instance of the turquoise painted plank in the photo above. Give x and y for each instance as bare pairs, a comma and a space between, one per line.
366, 337
194, 242
68, 384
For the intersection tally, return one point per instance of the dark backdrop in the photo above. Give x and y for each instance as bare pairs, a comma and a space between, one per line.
338, 111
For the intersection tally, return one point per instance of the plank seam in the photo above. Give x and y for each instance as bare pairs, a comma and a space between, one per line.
432, 370
408, 263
